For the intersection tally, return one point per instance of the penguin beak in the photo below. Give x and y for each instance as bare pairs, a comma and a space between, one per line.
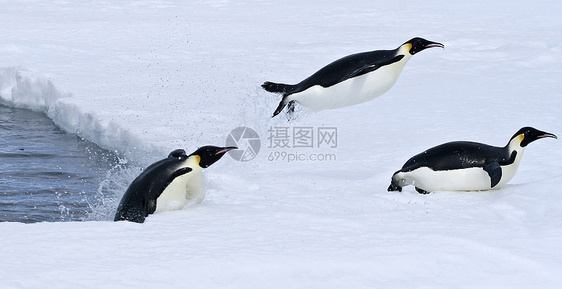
435, 44
546, 134
225, 150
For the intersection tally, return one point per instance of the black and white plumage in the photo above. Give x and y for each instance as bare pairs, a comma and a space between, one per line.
351, 80
168, 184
465, 166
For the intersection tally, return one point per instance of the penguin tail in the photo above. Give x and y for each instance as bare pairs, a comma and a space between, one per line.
277, 87
286, 90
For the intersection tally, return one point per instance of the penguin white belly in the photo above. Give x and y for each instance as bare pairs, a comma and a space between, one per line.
351, 91
469, 179
508, 172
186, 189
196, 189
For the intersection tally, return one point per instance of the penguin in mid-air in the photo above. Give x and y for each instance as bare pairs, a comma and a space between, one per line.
168, 184
465, 166
350, 80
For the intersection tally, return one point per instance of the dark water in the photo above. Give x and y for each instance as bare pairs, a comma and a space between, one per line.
45, 173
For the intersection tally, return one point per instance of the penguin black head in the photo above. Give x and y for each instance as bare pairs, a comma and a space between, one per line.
210, 154
419, 44
528, 135
177, 154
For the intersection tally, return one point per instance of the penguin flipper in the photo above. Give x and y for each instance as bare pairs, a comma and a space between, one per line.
371, 67
494, 170
361, 71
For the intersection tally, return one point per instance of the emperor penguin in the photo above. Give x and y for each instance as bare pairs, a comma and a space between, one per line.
465, 166
168, 184
350, 80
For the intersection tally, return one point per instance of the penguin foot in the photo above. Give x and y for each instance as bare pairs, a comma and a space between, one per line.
291, 110
423, 192
291, 107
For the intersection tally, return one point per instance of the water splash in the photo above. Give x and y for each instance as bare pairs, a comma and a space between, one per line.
110, 191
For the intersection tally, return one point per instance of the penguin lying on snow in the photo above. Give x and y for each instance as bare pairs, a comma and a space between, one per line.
350, 80
465, 166
168, 184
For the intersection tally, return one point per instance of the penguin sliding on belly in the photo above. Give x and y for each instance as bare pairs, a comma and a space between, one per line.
168, 184
350, 80
465, 166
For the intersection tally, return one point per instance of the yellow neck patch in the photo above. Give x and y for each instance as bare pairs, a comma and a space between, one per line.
405, 49
197, 159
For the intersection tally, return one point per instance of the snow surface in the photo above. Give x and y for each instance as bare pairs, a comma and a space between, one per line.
146, 77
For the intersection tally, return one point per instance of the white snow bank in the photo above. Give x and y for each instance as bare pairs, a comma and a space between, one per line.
22, 88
